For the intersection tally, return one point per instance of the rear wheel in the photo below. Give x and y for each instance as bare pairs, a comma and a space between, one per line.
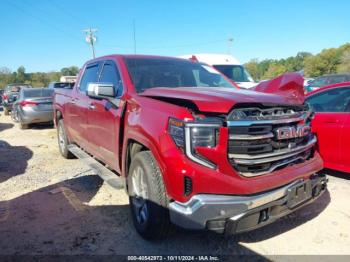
63, 141
148, 198
19, 120
23, 126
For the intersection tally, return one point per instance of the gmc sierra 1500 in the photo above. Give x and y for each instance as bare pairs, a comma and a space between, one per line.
193, 149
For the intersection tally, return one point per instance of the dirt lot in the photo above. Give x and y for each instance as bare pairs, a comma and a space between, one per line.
49, 205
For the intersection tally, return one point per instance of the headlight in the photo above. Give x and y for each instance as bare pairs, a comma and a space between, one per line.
177, 131
190, 136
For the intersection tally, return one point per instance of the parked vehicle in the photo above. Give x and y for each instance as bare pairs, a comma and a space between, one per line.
53, 85
326, 80
307, 81
192, 149
10, 95
34, 105
69, 79
332, 124
227, 65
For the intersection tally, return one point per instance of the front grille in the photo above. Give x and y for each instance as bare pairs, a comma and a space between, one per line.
255, 145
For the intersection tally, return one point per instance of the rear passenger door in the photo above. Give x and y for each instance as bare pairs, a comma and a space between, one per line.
104, 119
78, 107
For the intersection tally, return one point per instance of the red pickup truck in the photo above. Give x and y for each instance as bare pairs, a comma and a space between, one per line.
192, 149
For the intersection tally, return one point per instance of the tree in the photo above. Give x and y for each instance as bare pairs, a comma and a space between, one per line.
21, 74
344, 66
39, 79
274, 70
5, 76
326, 62
70, 71
54, 76
253, 68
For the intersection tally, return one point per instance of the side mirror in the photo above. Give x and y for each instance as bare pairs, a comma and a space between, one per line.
100, 90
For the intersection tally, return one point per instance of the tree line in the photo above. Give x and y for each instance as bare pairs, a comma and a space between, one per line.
328, 61
37, 79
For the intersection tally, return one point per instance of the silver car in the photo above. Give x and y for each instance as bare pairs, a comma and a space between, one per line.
34, 105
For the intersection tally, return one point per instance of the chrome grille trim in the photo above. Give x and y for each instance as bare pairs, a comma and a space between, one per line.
273, 167
251, 137
251, 157
264, 122
270, 157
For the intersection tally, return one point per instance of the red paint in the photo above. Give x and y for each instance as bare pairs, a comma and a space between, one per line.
333, 133
145, 120
28, 103
289, 85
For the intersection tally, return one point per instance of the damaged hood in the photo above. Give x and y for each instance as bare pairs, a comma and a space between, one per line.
289, 85
217, 100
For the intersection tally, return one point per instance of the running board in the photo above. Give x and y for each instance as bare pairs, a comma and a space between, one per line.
107, 175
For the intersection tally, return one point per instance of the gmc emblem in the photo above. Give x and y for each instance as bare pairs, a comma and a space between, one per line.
292, 132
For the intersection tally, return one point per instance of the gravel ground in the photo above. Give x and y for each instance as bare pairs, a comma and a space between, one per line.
53, 206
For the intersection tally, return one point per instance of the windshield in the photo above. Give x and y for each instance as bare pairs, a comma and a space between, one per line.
235, 72
166, 72
38, 92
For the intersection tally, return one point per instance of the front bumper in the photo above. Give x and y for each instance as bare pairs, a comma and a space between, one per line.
236, 214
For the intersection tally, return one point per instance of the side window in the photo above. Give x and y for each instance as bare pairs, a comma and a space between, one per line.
333, 100
90, 76
110, 74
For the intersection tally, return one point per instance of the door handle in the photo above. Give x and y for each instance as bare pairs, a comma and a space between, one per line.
73, 101
92, 106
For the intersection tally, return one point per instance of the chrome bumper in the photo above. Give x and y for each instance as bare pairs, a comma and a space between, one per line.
219, 212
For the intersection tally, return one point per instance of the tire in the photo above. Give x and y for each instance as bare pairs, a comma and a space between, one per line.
63, 141
14, 116
6, 111
23, 126
149, 206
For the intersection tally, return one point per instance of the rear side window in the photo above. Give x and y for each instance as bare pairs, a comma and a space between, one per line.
332, 100
110, 74
90, 76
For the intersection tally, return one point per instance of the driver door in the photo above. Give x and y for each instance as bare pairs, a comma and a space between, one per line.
104, 119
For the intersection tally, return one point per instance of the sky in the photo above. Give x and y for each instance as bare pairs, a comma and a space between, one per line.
47, 35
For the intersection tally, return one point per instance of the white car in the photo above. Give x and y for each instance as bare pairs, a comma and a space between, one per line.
227, 65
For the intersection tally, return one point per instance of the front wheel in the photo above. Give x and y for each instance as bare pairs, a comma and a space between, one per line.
63, 140
148, 198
